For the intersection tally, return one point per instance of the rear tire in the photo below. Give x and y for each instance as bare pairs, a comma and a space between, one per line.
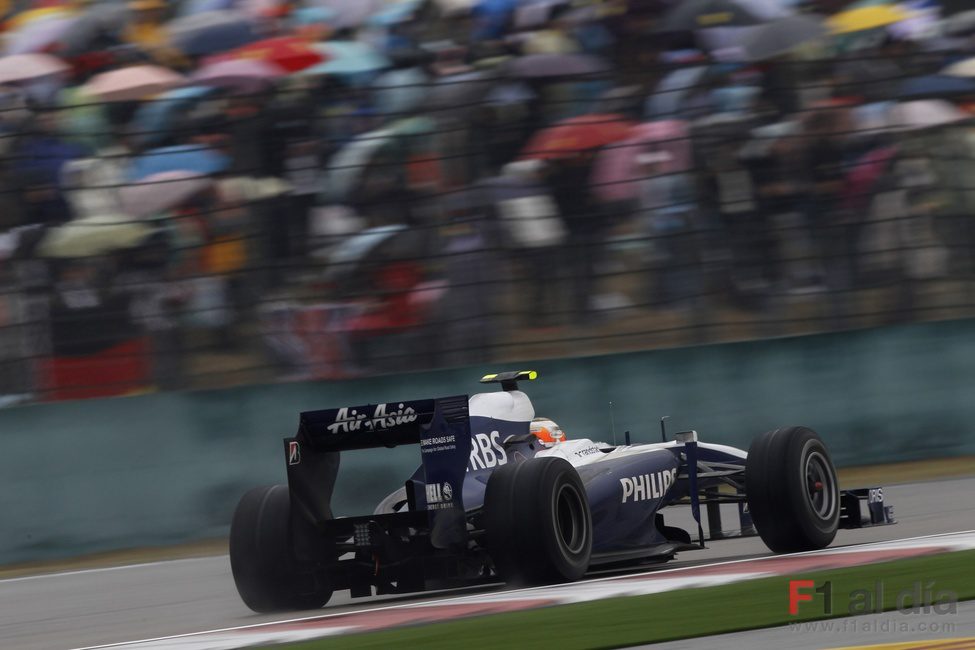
267, 575
538, 526
792, 490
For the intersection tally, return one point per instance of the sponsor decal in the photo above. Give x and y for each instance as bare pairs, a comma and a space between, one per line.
351, 420
486, 451
586, 451
439, 495
875, 495
647, 486
294, 453
438, 443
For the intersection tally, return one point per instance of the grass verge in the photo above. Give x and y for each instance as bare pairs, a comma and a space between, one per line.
680, 614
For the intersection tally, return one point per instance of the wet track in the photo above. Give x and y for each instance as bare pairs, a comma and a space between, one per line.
104, 606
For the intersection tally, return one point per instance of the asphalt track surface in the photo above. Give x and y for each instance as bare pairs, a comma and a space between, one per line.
121, 604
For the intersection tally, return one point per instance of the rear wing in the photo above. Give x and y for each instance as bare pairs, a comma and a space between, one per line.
441, 427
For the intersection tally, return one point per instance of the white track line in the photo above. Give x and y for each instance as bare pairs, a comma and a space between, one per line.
104, 569
525, 590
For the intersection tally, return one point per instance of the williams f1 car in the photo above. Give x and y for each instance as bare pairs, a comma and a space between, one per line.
491, 503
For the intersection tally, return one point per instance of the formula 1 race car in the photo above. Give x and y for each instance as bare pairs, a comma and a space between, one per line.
491, 502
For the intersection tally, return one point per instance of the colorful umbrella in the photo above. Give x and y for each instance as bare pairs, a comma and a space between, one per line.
348, 59
400, 91
680, 93
93, 236
211, 32
161, 192
691, 15
925, 114
576, 135
24, 67
349, 13
864, 18
242, 75
192, 7
782, 36
25, 18
192, 158
153, 119
964, 68
40, 34
347, 166
132, 83
616, 171
288, 53
95, 26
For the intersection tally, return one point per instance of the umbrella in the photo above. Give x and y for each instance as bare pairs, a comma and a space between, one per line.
782, 36
95, 24
964, 68
347, 166
673, 95
25, 18
395, 14
41, 34
132, 83
348, 59
571, 137
207, 33
250, 189
349, 13
616, 171
152, 121
93, 236
400, 91
461, 92
192, 7
962, 24
863, 18
288, 53
379, 244
537, 66
935, 86
186, 157
24, 67
161, 192
924, 114
691, 15
243, 75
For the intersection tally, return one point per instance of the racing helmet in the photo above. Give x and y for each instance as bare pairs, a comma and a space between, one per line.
547, 431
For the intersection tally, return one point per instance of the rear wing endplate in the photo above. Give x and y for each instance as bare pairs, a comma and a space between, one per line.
441, 427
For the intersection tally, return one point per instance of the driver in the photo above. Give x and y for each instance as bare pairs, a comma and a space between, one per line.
547, 431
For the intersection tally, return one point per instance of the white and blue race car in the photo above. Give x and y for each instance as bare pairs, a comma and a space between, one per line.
491, 503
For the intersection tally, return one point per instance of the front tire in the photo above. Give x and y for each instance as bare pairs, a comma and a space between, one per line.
262, 557
537, 522
792, 490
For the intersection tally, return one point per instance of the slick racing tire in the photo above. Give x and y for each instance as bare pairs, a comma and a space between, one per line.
262, 559
538, 527
792, 491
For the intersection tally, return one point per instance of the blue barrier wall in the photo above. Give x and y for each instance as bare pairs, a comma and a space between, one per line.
157, 469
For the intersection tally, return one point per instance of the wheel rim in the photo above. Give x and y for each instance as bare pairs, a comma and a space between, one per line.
820, 485
570, 519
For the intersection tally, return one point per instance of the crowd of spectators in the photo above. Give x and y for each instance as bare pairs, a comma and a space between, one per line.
222, 191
